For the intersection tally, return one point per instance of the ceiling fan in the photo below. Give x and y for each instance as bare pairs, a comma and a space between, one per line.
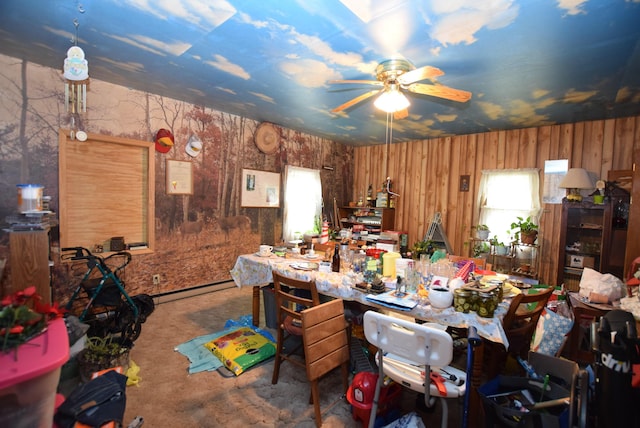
396, 75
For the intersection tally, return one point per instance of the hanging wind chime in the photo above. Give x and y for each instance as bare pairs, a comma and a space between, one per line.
76, 74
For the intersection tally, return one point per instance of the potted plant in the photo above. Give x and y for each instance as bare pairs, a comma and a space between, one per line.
23, 317
102, 353
500, 247
525, 230
482, 231
481, 249
422, 247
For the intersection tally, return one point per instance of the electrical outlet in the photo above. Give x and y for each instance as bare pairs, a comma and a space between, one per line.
156, 279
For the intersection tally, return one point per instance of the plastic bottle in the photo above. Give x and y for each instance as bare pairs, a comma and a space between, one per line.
335, 262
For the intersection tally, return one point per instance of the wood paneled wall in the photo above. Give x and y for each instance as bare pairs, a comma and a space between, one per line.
426, 174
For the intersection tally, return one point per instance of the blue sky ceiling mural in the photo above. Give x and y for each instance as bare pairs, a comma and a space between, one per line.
526, 63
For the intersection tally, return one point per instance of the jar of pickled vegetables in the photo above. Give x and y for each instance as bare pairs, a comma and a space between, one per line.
487, 303
462, 300
474, 300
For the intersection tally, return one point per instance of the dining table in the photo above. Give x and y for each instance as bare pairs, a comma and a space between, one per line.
253, 270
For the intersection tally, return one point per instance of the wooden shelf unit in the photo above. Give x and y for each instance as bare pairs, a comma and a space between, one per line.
586, 240
30, 262
372, 219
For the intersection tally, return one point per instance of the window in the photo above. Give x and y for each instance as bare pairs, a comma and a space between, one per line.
505, 195
302, 201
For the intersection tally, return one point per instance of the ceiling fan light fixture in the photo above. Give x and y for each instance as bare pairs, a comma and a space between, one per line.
392, 101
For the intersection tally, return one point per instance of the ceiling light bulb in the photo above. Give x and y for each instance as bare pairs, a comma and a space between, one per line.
392, 101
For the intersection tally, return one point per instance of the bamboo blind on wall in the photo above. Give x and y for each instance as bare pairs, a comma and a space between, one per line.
106, 190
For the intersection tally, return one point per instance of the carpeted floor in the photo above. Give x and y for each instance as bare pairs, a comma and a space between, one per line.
167, 396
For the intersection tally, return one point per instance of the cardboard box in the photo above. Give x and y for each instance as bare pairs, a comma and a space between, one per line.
576, 261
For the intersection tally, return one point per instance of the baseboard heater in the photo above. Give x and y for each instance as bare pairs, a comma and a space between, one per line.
184, 293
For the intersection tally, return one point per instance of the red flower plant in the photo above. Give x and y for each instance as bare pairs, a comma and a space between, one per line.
23, 317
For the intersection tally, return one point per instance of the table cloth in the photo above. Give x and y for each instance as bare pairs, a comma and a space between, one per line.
256, 271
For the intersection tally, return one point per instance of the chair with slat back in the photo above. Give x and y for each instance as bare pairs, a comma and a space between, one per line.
479, 262
326, 346
519, 324
291, 297
324, 250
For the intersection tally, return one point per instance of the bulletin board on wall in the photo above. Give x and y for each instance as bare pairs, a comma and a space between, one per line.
107, 189
260, 189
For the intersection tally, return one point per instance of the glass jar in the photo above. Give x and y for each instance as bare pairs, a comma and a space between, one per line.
474, 300
462, 300
487, 304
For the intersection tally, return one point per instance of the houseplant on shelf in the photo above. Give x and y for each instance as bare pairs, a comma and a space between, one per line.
481, 249
482, 231
500, 248
525, 230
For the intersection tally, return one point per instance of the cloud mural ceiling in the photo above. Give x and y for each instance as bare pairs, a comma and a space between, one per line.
527, 63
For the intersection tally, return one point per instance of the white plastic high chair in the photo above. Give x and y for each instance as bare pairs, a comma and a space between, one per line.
406, 351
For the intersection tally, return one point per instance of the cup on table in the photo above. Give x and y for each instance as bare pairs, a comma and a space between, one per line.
265, 250
324, 267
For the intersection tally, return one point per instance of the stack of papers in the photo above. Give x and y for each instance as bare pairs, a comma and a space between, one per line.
394, 299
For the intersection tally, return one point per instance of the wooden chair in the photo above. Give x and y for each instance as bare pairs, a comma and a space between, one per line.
326, 346
479, 262
519, 324
324, 250
292, 296
579, 346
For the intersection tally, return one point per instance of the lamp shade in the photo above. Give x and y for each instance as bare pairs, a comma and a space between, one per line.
391, 101
576, 178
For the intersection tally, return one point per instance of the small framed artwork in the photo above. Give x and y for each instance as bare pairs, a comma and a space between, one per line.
260, 189
179, 178
464, 183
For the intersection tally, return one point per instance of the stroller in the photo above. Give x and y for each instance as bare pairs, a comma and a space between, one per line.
104, 304
617, 349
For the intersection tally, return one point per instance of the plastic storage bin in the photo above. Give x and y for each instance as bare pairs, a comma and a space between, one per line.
29, 377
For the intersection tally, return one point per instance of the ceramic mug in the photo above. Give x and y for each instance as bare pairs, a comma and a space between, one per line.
265, 250
324, 267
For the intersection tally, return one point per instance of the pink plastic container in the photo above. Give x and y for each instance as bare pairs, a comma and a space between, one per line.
29, 378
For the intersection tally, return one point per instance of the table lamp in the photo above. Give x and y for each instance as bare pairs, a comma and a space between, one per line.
574, 180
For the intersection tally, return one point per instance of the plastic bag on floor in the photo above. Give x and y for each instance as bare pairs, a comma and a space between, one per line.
410, 420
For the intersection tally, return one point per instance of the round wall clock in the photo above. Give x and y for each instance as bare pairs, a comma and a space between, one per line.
267, 138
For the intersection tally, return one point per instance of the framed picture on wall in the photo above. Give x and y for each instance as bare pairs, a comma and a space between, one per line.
179, 178
260, 189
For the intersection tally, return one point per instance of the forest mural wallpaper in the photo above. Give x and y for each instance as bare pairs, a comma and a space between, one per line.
198, 236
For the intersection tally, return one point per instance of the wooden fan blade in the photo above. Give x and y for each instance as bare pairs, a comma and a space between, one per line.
401, 114
356, 100
426, 72
440, 92
363, 82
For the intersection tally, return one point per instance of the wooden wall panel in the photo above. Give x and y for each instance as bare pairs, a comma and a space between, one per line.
426, 174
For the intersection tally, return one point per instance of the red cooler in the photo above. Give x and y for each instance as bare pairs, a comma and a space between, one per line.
360, 396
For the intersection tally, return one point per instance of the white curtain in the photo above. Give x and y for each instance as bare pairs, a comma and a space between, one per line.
505, 195
302, 201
